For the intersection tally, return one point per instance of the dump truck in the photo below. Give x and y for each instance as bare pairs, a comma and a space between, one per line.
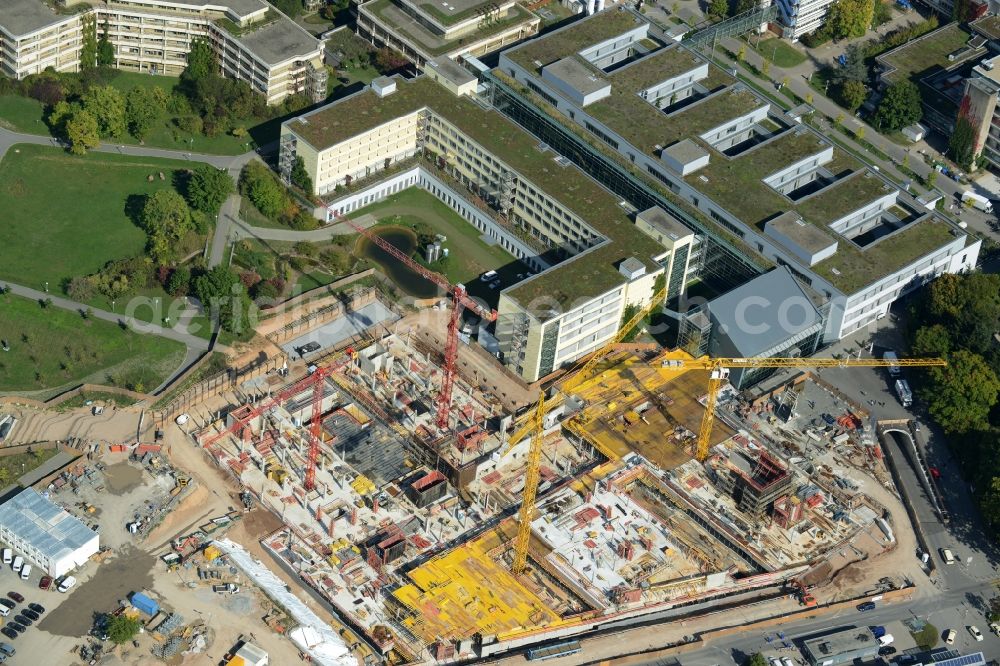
977, 201
904, 393
231, 588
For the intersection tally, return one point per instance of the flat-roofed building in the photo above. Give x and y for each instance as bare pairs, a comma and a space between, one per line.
603, 261
755, 176
841, 647
252, 40
425, 31
45, 533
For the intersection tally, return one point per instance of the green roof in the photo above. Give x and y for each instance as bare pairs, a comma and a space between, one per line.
920, 57
567, 41
577, 277
736, 184
854, 268
398, 21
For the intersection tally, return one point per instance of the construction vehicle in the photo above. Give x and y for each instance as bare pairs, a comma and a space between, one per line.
231, 588
802, 593
460, 301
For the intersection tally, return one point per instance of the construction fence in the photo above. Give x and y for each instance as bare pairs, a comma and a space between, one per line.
226, 380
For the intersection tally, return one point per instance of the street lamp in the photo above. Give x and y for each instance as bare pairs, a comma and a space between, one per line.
46, 287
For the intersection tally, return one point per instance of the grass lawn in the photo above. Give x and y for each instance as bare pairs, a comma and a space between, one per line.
22, 114
65, 216
311, 280
51, 348
15, 466
781, 53
81, 400
469, 256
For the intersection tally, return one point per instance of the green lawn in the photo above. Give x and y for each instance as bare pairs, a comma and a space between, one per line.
22, 114
469, 256
65, 216
51, 348
781, 53
15, 466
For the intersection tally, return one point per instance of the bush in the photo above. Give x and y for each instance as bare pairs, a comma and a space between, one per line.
179, 282
191, 124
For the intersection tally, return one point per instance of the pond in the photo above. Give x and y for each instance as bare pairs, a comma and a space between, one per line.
409, 281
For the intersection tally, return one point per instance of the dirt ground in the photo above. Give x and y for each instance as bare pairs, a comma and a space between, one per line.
129, 571
121, 477
36, 425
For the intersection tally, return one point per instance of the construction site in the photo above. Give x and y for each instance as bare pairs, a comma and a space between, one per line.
407, 514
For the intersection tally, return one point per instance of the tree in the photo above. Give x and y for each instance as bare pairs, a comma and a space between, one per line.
741, 55
208, 189
201, 63
961, 395
107, 105
628, 313
756, 659
105, 51
122, 628
300, 177
264, 191
221, 291
931, 340
166, 219
859, 133
882, 13
141, 111
388, 59
718, 8
82, 132
88, 45
962, 143
179, 282
854, 68
849, 18
853, 94
900, 106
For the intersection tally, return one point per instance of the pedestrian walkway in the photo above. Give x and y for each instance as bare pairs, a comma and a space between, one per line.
191, 341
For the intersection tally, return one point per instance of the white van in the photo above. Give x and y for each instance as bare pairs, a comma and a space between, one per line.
8, 555
891, 358
66, 583
18, 563
946, 555
25, 571
4, 611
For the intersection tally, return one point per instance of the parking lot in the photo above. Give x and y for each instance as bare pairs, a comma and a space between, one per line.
47, 636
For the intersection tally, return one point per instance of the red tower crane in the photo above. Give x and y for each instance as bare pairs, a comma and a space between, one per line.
314, 381
460, 300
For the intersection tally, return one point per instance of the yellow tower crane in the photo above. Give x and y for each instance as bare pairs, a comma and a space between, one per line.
535, 425
719, 371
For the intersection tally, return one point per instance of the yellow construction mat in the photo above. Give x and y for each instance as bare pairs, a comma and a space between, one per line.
464, 592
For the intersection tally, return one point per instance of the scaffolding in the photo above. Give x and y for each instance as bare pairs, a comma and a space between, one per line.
286, 157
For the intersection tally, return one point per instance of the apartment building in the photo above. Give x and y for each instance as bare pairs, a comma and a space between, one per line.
593, 257
800, 17
753, 173
979, 107
423, 31
252, 41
